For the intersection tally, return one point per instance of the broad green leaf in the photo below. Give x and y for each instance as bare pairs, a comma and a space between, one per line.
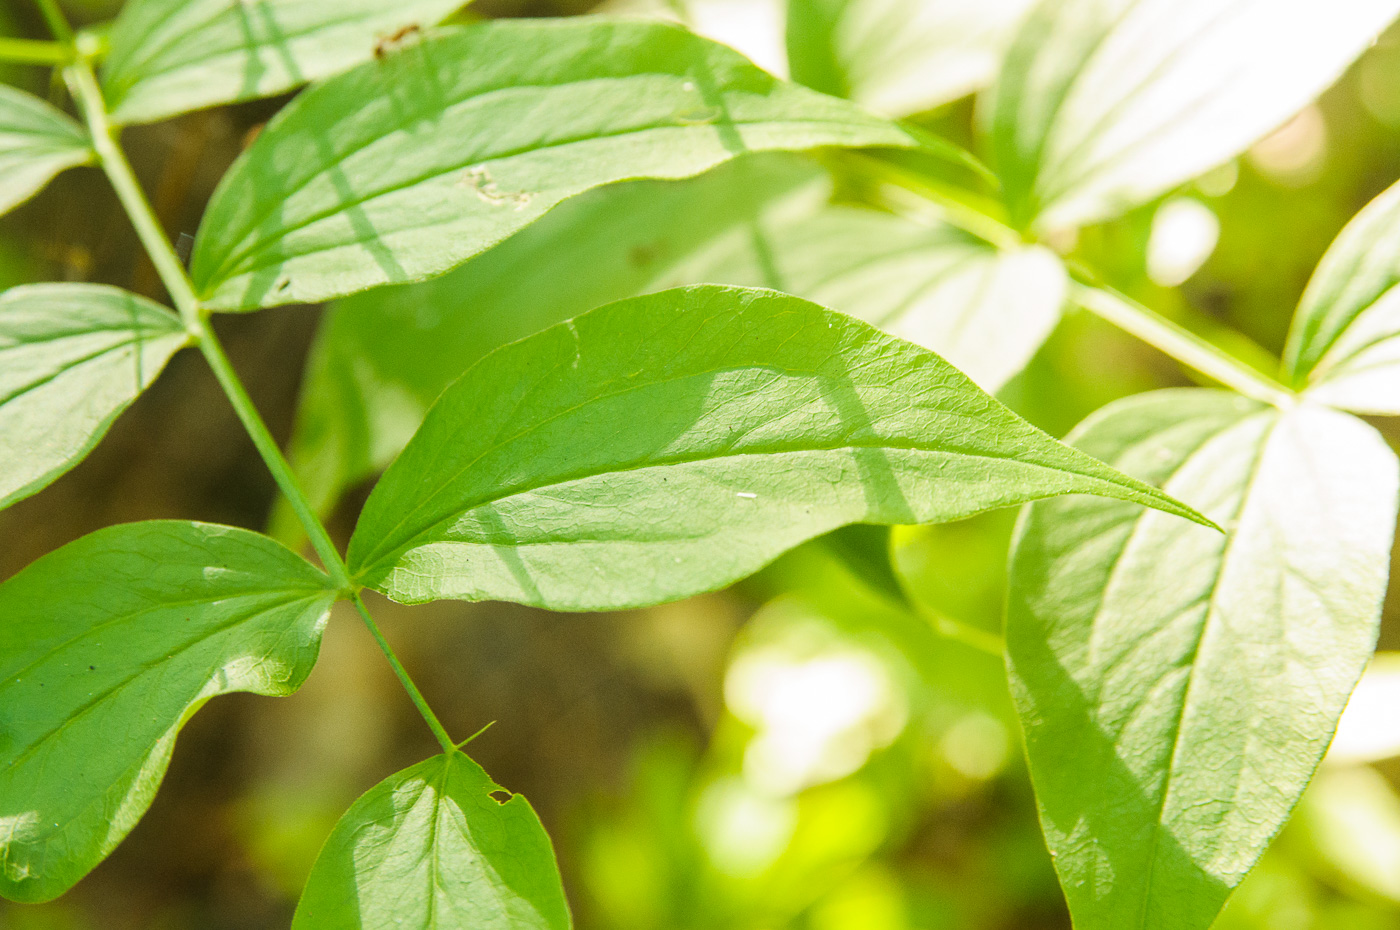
107, 647
383, 357
173, 56
1178, 687
1104, 104
1343, 343
403, 168
674, 443
899, 56
37, 142
72, 358
430, 849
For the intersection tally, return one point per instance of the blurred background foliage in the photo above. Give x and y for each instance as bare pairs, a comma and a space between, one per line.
807, 750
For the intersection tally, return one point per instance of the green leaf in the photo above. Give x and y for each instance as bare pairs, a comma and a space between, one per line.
403, 168
899, 56
72, 358
985, 310
37, 142
383, 357
107, 647
1104, 104
172, 56
1343, 342
1178, 687
430, 849
674, 443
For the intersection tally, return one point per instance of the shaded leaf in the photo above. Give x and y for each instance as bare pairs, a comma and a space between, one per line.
403, 168
1104, 104
37, 142
430, 849
72, 358
173, 56
1178, 687
899, 56
107, 646
1343, 343
674, 443
383, 357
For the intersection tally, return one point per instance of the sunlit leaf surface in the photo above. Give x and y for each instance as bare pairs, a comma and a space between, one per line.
671, 444
1177, 687
404, 167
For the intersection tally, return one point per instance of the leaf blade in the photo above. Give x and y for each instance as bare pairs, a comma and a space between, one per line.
1342, 346
430, 848
1102, 106
671, 444
1177, 689
107, 646
172, 56
37, 141
333, 199
72, 358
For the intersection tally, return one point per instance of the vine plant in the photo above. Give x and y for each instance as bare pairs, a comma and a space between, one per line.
1185, 623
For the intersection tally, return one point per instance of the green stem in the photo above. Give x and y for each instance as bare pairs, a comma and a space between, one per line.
172, 273
1180, 343
448, 746
34, 52
271, 454
58, 23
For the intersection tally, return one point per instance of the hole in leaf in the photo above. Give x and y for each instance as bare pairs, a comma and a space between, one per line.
501, 795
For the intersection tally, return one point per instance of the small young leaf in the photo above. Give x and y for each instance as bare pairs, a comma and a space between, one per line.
1344, 338
37, 142
107, 646
431, 849
403, 168
671, 444
899, 56
1178, 687
1104, 104
72, 358
173, 56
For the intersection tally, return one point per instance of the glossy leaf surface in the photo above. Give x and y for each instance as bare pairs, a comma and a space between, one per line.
107, 646
383, 357
172, 56
430, 849
1178, 687
1104, 104
899, 56
72, 358
37, 141
405, 167
1344, 340
671, 444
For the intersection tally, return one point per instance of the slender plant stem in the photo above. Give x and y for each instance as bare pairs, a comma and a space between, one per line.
57, 22
34, 52
272, 455
118, 169
1181, 344
448, 746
